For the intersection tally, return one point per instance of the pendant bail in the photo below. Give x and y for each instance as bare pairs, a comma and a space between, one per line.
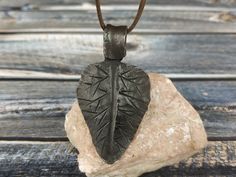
114, 45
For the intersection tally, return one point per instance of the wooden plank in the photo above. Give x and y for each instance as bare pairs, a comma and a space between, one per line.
219, 123
70, 53
163, 20
35, 110
218, 159
203, 3
52, 159
37, 159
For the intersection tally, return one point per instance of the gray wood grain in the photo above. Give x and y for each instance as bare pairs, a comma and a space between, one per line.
35, 110
210, 3
152, 21
37, 159
70, 53
52, 159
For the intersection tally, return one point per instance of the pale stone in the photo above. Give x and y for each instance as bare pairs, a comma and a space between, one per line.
170, 131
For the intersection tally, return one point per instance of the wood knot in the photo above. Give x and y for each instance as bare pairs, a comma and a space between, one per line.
226, 17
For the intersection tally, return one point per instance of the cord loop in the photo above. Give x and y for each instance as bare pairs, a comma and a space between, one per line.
136, 19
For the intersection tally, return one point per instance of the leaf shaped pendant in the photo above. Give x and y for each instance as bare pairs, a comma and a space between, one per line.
113, 97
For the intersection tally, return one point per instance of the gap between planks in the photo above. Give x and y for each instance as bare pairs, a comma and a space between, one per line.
31, 142
45, 140
97, 30
6, 74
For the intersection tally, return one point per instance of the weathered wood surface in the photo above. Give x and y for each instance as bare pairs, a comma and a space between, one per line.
52, 159
191, 41
194, 16
155, 21
201, 3
36, 109
70, 53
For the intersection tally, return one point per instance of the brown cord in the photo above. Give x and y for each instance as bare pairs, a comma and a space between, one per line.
136, 19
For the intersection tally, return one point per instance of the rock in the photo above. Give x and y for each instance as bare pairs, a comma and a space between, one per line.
170, 131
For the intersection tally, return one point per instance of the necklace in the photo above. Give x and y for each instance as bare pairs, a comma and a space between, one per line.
113, 96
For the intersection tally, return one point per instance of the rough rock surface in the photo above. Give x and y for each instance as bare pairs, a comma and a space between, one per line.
170, 131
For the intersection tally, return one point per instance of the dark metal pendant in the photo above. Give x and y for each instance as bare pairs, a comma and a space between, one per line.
113, 97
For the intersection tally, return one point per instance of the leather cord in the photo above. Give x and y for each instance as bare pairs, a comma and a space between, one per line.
136, 19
